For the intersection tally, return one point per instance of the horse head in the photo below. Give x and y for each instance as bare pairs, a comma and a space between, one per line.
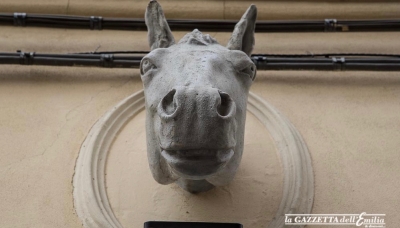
196, 95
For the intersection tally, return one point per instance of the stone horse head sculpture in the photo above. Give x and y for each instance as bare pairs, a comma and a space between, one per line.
196, 95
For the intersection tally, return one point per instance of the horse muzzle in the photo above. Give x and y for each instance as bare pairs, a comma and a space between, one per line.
197, 130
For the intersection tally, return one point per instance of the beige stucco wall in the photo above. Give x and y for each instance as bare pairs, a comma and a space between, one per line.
349, 120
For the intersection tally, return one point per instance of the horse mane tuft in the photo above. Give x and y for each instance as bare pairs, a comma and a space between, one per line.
197, 38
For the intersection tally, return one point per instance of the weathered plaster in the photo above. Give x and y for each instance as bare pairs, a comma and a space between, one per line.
45, 112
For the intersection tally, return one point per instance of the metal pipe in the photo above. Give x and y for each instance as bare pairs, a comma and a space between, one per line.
323, 62
98, 23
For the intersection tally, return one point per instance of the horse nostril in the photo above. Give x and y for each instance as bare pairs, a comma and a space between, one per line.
227, 108
167, 105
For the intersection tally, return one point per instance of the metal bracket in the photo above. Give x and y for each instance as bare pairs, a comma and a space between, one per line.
19, 19
96, 23
255, 60
330, 25
106, 60
26, 58
339, 63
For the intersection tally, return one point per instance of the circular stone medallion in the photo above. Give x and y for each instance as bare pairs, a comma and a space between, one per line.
113, 186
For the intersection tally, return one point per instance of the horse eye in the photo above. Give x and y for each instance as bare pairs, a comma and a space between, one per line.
250, 71
145, 66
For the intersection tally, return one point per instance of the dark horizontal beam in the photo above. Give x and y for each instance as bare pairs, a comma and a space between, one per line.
324, 62
98, 23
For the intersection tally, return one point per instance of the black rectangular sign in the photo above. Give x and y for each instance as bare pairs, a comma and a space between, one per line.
153, 224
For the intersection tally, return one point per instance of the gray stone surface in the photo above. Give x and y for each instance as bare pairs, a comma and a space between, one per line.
196, 95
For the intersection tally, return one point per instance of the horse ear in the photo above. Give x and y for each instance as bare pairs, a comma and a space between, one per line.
159, 34
243, 34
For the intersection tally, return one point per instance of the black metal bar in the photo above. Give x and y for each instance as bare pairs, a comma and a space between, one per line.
97, 22
325, 62
170, 224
